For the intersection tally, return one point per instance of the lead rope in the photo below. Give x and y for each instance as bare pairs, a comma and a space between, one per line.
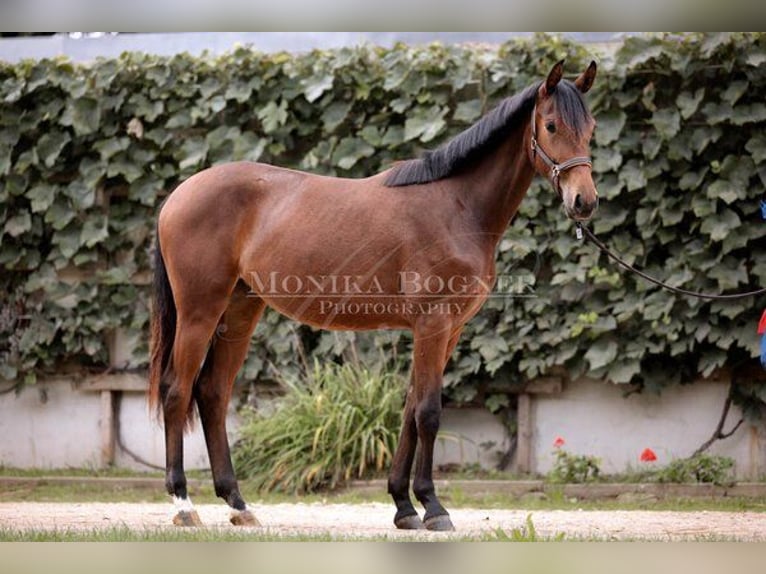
580, 229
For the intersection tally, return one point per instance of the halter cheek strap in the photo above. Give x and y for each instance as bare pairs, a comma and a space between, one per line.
555, 169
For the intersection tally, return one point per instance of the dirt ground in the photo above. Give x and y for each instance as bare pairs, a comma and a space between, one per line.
374, 520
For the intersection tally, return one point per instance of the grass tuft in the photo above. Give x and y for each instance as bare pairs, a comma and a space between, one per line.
339, 423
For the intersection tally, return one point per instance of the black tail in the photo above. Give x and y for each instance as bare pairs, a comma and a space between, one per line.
163, 328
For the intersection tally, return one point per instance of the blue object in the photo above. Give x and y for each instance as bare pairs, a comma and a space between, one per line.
763, 209
763, 351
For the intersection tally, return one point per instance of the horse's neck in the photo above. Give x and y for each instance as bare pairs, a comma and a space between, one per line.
496, 184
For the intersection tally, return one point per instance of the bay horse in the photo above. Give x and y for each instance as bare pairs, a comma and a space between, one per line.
238, 237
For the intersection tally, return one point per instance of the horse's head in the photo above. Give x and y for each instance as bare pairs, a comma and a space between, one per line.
560, 134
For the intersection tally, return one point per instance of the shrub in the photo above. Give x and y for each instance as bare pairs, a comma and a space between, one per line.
337, 423
699, 468
574, 468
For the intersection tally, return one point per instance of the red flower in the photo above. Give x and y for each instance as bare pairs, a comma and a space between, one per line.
648, 455
559, 442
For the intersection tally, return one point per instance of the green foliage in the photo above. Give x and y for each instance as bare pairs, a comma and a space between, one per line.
526, 533
338, 423
703, 467
571, 468
88, 152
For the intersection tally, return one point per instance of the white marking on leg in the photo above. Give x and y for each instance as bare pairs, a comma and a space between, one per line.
183, 504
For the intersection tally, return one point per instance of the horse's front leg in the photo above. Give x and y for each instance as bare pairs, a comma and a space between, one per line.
433, 337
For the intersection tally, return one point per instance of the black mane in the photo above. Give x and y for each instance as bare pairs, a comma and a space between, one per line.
486, 134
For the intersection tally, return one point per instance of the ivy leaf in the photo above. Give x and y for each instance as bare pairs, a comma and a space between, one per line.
239, 90
50, 145
667, 122
490, 346
18, 224
601, 353
5, 158
315, 86
193, 151
67, 240
334, 114
711, 360
749, 114
248, 147
83, 114
633, 175
692, 179
59, 214
688, 103
606, 159
94, 231
756, 145
495, 402
610, 125
144, 190
425, 124
734, 91
636, 51
41, 197
107, 148
467, 111
349, 151
756, 56
713, 42
622, 372
82, 196
719, 225
273, 115
723, 189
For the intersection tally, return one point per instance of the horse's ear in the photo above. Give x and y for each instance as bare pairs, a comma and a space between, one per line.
554, 77
585, 80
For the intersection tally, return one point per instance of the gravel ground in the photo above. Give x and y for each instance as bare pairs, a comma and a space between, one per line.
374, 520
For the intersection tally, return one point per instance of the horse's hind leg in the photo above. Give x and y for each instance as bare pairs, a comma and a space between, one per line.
194, 329
399, 478
213, 392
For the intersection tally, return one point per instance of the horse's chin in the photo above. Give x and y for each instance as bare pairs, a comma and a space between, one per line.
579, 217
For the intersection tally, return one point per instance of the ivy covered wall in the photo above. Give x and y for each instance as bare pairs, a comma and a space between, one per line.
88, 152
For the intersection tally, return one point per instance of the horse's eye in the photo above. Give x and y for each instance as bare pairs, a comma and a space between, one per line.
551, 127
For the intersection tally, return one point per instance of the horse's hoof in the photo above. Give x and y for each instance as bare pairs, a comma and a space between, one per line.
409, 522
439, 523
187, 518
243, 518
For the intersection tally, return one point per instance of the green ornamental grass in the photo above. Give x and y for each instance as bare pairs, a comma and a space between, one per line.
337, 423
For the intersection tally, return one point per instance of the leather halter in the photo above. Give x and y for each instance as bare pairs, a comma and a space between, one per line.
555, 168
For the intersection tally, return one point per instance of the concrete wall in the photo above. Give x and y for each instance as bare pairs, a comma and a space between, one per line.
595, 418
53, 425
58, 425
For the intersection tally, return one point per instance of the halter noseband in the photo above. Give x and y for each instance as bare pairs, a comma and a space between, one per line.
555, 168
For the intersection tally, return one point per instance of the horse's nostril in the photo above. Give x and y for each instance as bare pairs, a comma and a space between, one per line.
578, 202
